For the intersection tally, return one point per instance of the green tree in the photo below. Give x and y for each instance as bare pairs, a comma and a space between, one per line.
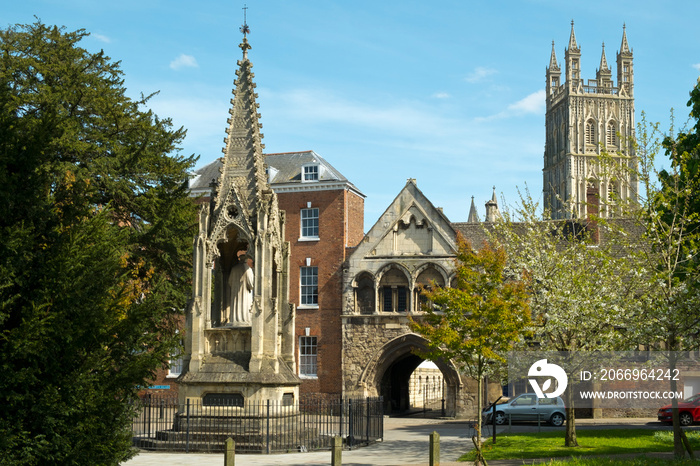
95, 240
579, 289
475, 322
667, 250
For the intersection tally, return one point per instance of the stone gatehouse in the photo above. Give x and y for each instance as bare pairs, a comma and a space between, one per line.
412, 244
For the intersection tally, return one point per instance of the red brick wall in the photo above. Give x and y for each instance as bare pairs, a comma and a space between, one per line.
328, 254
356, 219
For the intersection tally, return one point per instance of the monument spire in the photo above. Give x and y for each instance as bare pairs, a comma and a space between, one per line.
243, 171
240, 338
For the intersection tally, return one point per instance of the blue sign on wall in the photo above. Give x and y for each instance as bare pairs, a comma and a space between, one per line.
159, 387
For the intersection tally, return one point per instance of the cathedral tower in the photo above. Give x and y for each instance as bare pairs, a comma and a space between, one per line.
584, 120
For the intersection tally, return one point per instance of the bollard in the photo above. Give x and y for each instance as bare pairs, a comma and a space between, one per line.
230, 458
434, 449
337, 451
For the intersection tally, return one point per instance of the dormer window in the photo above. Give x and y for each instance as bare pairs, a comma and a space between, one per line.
309, 173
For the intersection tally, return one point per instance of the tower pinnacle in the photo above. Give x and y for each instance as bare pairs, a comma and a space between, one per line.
553, 65
473, 215
573, 46
604, 61
624, 47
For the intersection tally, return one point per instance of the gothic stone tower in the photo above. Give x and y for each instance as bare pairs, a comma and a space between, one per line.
583, 121
239, 345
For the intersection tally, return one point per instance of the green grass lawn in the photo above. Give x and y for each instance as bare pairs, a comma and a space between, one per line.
620, 462
591, 442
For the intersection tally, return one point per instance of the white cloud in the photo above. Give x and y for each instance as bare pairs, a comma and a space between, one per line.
184, 61
697, 66
531, 104
441, 95
101, 38
479, 74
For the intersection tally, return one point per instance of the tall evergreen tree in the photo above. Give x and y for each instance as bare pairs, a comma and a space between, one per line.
95, 240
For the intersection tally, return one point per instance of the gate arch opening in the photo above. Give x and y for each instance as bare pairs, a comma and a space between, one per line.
390, 370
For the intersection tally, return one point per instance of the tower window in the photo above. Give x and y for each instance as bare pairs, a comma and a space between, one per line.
590, 132
611, 134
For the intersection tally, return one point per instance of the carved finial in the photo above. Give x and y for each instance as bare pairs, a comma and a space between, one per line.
245, 29
245, 46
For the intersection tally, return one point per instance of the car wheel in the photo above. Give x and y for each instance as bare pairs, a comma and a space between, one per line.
557, 419
500, 418
685, 419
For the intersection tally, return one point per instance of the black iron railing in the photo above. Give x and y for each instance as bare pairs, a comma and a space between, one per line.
257, 427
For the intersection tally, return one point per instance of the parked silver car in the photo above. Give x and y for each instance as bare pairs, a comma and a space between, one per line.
528, 407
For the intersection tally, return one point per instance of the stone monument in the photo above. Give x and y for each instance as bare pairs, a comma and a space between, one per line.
239, 344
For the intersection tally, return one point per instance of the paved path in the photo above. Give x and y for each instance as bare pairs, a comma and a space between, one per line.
406, 442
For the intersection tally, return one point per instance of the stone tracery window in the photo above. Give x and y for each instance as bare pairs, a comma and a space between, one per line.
590, 132
611, 134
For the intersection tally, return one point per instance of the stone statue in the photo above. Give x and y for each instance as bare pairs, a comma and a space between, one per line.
240, 282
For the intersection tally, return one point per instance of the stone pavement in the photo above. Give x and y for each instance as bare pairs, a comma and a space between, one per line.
406, 442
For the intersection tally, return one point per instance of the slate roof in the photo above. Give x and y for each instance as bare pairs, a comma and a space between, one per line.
285, 169
201, 179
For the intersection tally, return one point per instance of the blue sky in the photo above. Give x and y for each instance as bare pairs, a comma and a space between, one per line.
450, 93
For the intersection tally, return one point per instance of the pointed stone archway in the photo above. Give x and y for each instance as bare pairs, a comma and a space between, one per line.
390, 369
